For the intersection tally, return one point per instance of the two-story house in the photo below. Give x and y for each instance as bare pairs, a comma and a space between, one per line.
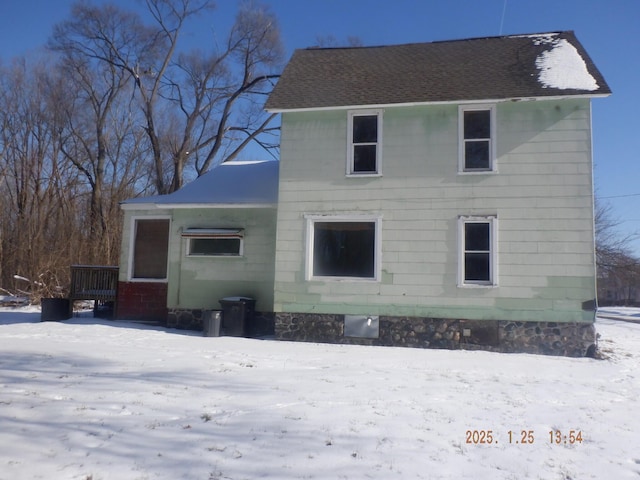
438, 195
428, 195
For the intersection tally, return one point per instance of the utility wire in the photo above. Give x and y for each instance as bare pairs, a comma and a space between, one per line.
621, 196
504, 9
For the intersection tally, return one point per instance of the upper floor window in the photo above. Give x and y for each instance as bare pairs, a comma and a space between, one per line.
365, 142
477, 139
477, 250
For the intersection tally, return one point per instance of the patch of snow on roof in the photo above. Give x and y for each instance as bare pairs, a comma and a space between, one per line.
540, 38
563, 67
242, 162
235, 182
230, 183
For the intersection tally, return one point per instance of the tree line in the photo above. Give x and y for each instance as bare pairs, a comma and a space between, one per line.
617, 264
120, 107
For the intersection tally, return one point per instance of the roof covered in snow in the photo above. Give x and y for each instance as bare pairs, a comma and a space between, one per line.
493, 68
253, 183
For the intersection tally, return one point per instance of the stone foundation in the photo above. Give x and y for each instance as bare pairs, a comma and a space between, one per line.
185, 319
260, 325
547, 338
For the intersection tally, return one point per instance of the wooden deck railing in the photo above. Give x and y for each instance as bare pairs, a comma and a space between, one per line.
93, 282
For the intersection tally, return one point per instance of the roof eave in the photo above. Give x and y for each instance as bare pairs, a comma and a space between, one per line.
218, 205
172, 206
441, 102
138, 206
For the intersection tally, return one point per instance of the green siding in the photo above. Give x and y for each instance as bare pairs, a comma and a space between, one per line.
541, 194
199, 282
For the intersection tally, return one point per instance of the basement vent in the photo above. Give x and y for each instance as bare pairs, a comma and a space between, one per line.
362, 326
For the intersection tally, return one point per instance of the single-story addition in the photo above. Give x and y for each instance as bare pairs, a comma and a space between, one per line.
213, 239
428, 195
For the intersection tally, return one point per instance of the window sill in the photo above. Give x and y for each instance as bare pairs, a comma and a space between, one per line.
363, 175
477, 285
149, 280
343, 279
477, 172
213, 256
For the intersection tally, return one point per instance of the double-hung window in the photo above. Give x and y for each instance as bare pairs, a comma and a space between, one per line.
365, 142
477, 263
214, 242
343, 247
477, 144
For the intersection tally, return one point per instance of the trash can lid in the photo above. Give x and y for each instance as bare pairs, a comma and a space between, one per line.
237, 299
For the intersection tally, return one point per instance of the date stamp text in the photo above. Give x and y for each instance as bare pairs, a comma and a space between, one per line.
523, 437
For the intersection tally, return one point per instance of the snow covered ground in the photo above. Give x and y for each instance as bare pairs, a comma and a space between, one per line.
90, 399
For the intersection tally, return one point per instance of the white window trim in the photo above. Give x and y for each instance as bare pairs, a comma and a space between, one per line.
493, 161
213, 233
132, 239
360, 113
493, 257
377, 267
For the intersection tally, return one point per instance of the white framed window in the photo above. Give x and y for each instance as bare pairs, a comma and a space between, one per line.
149, 248
214, 242
364, 142
477, 138
477, 248
343, 247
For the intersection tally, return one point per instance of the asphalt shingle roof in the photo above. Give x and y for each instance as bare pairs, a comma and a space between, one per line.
489, 68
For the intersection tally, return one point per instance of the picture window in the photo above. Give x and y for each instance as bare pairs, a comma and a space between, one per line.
343, 249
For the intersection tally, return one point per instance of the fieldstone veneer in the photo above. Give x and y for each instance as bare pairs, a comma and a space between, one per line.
259, 325
548, 338
184, 319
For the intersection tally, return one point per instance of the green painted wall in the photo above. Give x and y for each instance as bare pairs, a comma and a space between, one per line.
541, 194
199, 282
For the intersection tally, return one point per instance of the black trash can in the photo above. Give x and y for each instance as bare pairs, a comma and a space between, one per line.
211, 320
237, 315
54, 309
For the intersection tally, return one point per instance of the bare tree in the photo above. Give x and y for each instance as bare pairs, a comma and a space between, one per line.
88, 95
613, 249
39, 192
121, 111
618, 268
213, 102
254, 44
198, 108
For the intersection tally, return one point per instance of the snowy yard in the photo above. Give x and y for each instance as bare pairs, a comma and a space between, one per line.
91, 400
